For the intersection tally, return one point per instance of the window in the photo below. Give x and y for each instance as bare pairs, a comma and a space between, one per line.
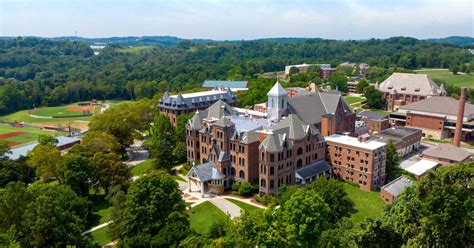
300, 151
272, 171
272, 157
263, 183
242, 174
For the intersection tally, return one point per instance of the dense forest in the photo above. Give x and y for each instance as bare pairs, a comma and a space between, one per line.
36, 72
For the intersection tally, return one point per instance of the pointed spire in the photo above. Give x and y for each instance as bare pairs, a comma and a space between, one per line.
442, 89
277, 90
179, 99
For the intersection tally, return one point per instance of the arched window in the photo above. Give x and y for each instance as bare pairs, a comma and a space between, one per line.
242, 174
300, 151
272, 184
232, 171
263, 183
272, 171
299, 163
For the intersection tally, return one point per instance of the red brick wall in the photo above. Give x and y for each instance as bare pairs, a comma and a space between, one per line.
386, 197
423, 121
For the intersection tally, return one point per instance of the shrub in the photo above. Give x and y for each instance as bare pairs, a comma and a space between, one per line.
244, 188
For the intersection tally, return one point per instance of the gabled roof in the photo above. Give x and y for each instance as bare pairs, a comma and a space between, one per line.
409, 83
310, 106
225, 83
294, 127
224, 122
271, 143
206, 172
277, 90
396, 187
195, 121
220, 109
447, 151
312, 170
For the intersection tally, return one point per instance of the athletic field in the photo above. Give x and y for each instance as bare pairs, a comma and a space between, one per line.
16, 136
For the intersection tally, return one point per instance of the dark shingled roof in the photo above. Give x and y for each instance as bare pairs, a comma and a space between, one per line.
371, 115
310, 106
313, 169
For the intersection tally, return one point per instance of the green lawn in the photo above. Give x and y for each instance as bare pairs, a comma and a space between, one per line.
55, 111
446, 76
142, 167
367, 204
245, 206
31, 134
353, 99
22, 116
100, 236
204, 215
101, 210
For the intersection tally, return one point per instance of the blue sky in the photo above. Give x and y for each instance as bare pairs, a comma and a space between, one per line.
238, 19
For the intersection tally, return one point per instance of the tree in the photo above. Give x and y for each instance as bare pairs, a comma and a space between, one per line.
392, 165
180, 152
110, 171
294, 70
4, 148
375, 98
47, 140
13, 201
338, 81
374, 233
45, 159
303, 217
162, 145
438, 211
153, 214
333, 193
454, 68
97, 141
77, 172
360, 87
180, 132
55, 217
15, 171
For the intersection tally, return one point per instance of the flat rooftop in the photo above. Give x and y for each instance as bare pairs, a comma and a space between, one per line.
421, 167
352, 141
201, 94
399, 132
244, 123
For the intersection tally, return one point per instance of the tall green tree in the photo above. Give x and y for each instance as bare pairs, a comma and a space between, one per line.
162, 142
360, 87
45, 159
154, 214
77, 172
47, 140
392, 164
338, 81
375, 98
109, 171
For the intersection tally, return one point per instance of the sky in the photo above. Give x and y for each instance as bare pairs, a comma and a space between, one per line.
238, 19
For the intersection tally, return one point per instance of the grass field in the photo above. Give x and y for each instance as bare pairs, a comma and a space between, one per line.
353, 99
245, 206
101, 211
446, 76
16, 136
100, 236
367, 204
204, 215
142, 167
62, 111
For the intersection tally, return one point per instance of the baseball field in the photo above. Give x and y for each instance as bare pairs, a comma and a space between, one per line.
16, 136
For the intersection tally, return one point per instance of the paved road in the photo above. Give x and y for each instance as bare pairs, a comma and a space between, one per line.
227, 207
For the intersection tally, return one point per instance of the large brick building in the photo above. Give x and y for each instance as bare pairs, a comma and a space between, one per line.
436, 117
405, 139
403, 88
284, 148
357, 160
176, 105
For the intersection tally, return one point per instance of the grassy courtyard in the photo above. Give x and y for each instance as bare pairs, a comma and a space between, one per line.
353, 99
100, 237
204, 215
245, 206
367, 204
449, 78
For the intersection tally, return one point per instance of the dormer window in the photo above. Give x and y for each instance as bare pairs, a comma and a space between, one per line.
417, 90
403, 88
390, 87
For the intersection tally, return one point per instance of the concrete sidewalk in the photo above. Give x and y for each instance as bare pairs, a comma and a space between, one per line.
227, 207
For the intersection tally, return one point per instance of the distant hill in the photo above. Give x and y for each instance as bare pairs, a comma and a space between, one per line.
454, 40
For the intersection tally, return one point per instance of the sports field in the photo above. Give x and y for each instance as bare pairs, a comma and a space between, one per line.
16, 136
446, 76
65, 111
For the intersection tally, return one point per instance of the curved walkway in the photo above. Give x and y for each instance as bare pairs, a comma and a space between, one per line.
227, 207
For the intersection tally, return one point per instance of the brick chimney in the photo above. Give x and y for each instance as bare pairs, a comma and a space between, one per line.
460, 117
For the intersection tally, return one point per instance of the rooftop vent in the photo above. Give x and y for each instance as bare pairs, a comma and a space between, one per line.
390, 87
417, 89
403, 88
